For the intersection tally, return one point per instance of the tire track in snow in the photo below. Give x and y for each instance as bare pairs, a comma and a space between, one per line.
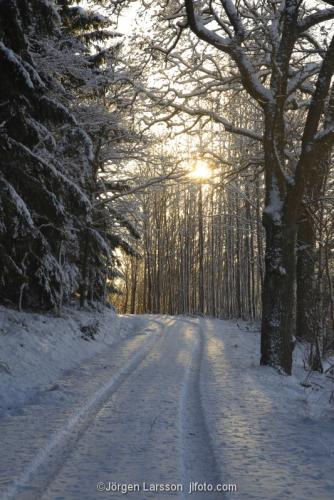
136, 437
198, 462
50, 457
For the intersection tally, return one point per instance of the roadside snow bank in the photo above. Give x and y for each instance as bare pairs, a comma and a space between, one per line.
35, 349
273, 435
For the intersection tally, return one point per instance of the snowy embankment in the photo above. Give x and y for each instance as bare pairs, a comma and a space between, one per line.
273, 435
36, 349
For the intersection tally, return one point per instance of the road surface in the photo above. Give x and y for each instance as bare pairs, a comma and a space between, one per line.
130, 418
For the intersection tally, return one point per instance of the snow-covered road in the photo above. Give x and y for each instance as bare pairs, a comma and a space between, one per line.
169, 406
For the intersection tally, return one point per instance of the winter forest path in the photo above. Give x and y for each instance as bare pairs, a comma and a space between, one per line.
183, 400
129, 416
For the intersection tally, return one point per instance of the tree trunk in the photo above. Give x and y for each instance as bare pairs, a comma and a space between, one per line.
84, 271
305, 277
134, 269
280, 223
201, 298
306, 252
278, 295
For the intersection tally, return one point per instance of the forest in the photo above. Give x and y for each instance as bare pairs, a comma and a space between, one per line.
171, 157
166, 249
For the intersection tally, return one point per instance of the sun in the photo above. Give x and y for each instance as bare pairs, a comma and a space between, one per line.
201, 170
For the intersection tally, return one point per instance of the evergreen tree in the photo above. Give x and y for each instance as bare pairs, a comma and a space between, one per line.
62, 104
97, 83
43, 203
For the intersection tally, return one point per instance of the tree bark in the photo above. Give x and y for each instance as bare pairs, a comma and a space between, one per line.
84, 270
305, 277
278, 295
201, 298
279, 220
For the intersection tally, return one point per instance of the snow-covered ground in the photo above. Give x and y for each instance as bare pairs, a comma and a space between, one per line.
35, 349
272, 435
172, 401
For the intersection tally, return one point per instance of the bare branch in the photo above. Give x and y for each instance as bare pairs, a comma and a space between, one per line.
314, 19
248, 73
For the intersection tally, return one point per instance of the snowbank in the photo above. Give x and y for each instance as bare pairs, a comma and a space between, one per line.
272, 434
35, 349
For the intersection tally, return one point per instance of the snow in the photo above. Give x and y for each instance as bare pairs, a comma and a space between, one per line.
100, 241
282, 270
158, 400
50, 169
17, 63
19, 205
59, 108
274, 208
89, 15
272, 436
37, 349
50, 4
88, 144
